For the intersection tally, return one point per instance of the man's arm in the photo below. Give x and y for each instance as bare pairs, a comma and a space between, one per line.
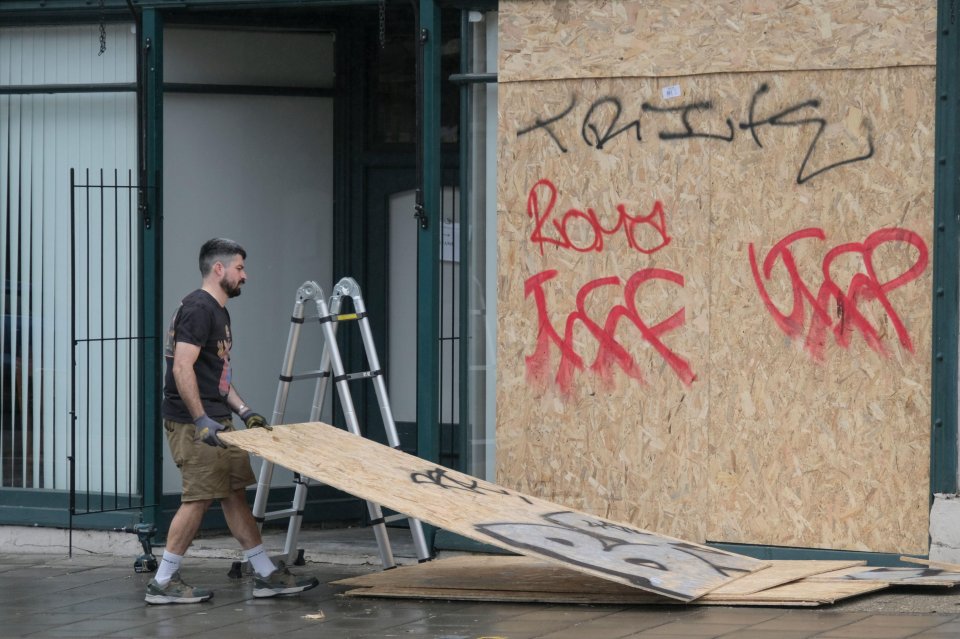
250, 418
184, 357
235, 402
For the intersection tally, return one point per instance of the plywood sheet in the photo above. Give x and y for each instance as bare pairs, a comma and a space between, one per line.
651, 371
779, 573
530, 580
900, 576
534, 575
492, 514
562, 39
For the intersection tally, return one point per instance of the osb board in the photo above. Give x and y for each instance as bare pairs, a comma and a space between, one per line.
780, 573
897, 575
534, 575
692, 404
493, 585
491, 514
563, 39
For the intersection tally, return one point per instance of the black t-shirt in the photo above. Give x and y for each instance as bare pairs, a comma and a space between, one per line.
201, 321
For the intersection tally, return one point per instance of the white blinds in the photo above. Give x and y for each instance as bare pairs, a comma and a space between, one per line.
43, 136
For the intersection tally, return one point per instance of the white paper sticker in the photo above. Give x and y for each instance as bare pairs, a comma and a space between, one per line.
672, 91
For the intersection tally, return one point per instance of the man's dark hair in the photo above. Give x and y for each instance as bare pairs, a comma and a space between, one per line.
219, 249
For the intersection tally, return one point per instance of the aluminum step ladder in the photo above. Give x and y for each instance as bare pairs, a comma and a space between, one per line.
329, 317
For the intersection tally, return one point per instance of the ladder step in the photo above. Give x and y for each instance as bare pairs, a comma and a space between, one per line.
354, 376
308, 375
280, 514
392, 518
343, 317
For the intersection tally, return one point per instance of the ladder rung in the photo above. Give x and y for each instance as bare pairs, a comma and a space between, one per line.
343, 317
280, 514
392, 518
307, 375
352, 376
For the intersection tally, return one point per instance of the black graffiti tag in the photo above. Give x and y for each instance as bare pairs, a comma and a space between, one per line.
778, 120
688, 131
545, 125
441, 478
639, 557
600, 138
602, 123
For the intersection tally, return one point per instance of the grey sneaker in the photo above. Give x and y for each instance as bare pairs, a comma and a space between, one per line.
282, 582
175, 592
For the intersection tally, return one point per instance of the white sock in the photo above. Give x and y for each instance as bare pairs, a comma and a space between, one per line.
169, 564
260, 560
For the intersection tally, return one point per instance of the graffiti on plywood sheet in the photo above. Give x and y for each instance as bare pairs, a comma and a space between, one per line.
642, 233
441, 478
611, 352
602, 123
905, 575
642, 558
862, 287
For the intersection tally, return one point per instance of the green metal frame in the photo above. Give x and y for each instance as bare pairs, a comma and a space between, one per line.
428, 239
946, 265
151, 251
428, 244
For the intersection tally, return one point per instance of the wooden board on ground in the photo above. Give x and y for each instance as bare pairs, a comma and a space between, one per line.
896, 576
800, 594
526, 579
943, 565
494, 515
535, 575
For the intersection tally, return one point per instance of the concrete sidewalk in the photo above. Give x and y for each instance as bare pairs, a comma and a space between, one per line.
97, 594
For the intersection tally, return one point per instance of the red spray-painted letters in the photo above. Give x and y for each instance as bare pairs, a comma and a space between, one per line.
864, 286
611, 353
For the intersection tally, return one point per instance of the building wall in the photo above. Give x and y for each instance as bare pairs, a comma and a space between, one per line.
257, 169
714, 266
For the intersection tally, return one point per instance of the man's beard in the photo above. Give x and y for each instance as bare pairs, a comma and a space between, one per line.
230, 290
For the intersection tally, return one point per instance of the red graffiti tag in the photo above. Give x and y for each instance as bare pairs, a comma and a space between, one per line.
631, 225
862, 287
610, 353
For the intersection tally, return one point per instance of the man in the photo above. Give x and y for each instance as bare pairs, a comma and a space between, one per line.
198, 398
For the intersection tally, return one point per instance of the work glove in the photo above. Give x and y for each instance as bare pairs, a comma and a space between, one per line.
207, 430
254, 420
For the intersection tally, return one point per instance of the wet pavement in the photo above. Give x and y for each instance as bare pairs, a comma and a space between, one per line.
100, 595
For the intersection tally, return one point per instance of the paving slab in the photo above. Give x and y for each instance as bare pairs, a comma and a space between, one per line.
99, 595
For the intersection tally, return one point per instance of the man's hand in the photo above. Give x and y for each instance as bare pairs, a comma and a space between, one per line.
254, 420
207, 430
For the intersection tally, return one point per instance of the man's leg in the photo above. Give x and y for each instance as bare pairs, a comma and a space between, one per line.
271, 580
183, 528
185, 525
240, 520
244, 528
166, 587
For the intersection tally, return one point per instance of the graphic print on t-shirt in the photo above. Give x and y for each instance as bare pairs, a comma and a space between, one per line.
223, 350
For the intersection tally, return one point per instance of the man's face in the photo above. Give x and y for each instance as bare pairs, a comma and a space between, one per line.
233, 277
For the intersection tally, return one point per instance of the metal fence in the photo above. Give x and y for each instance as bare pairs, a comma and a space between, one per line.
107, 425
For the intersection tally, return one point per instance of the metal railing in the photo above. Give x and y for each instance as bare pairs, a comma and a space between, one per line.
107, 422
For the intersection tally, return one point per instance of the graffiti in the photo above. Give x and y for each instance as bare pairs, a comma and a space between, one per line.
601, 124
611, 353
600, 139
863, 287
630, 225
906, 576
777, 120
646, 560
441, 478
688, 131
545, 125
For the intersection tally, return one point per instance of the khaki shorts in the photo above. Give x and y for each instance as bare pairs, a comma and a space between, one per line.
209, 472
